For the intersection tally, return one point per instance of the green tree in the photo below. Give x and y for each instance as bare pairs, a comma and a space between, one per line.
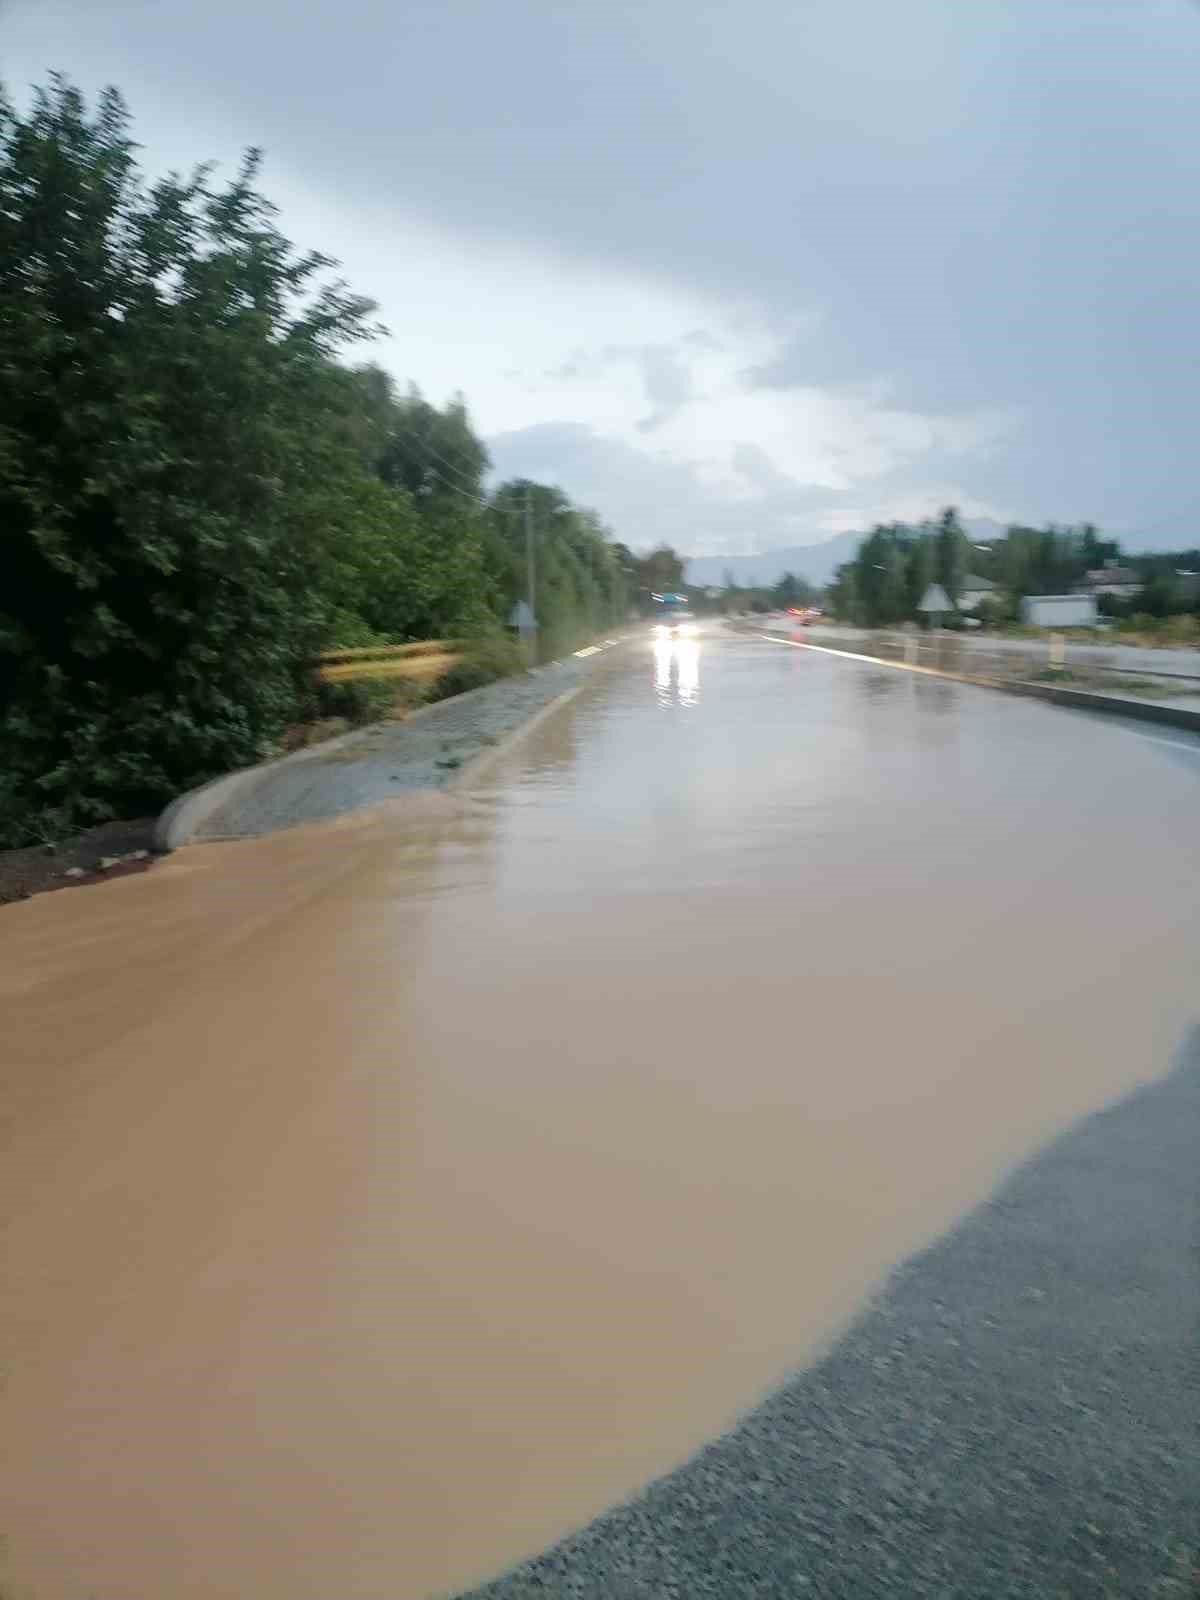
581, 585
433, 454
791, 591
845, 602
662, 569
951, 553
165, 450
1161, 597
920, 571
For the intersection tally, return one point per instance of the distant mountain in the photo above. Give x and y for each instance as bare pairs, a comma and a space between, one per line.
816, 562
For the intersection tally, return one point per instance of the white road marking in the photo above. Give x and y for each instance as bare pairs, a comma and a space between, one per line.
1176, 744
882, 661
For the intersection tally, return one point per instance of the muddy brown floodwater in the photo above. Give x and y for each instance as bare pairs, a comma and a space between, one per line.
382, 1199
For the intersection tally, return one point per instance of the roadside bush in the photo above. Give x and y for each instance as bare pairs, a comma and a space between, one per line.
994, 610
1180, 630
486, 661
359, 700
346, 631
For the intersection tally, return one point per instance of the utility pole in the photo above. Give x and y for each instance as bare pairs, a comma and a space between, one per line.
529, 573
530, 584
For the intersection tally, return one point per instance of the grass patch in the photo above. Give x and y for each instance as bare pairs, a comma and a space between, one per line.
422, 668
1104, 683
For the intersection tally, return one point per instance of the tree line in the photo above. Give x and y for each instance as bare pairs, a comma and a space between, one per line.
897, 562
200, 489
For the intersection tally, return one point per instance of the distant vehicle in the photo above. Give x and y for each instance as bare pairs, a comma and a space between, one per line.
674, 622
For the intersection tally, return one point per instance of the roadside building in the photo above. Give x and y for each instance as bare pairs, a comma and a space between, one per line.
1111, 578
974, 591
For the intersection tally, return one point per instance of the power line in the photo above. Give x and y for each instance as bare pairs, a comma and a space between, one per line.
467, 494
423, 441
477, 500
457, 489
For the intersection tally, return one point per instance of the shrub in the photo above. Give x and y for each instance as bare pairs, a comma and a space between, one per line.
482, 663
359, 700
994, 610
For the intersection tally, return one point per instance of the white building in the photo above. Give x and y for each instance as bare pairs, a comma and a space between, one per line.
1059, 610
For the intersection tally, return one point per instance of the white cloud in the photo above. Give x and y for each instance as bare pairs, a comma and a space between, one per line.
668, 380
746, 445
910, 505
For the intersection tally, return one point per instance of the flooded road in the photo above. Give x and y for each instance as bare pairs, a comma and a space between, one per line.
384, 1198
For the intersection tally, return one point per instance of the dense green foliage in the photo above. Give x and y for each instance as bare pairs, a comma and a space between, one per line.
196, 494
580, 583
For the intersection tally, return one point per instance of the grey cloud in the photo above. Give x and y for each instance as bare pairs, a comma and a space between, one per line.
663, 369
668, 381
807, 361
652, 497
755, 466
993, 203
647, 497
668, 384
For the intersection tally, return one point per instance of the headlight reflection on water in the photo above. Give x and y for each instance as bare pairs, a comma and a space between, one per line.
676, 671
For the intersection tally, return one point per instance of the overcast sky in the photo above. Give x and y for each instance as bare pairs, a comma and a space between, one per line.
738, 275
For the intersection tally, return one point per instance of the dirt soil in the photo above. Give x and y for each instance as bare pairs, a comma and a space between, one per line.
76, 862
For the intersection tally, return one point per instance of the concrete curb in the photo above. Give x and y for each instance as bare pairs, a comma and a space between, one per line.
1113, 705
187, 814
473, 769
1081, 699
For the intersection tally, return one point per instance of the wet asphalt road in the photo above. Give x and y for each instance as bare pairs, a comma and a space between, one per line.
1017, 1414
389, 1196
1015, 1418
1117, 656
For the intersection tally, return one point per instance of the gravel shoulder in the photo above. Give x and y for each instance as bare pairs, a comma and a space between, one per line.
427, 750
1017, 1415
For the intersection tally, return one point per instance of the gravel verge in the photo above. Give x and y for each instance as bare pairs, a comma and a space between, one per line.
427, 750
1017, 1415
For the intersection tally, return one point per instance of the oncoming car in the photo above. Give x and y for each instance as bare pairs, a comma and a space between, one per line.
675, 623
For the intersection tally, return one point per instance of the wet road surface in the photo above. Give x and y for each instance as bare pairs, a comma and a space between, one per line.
1173, 660
385, 1198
